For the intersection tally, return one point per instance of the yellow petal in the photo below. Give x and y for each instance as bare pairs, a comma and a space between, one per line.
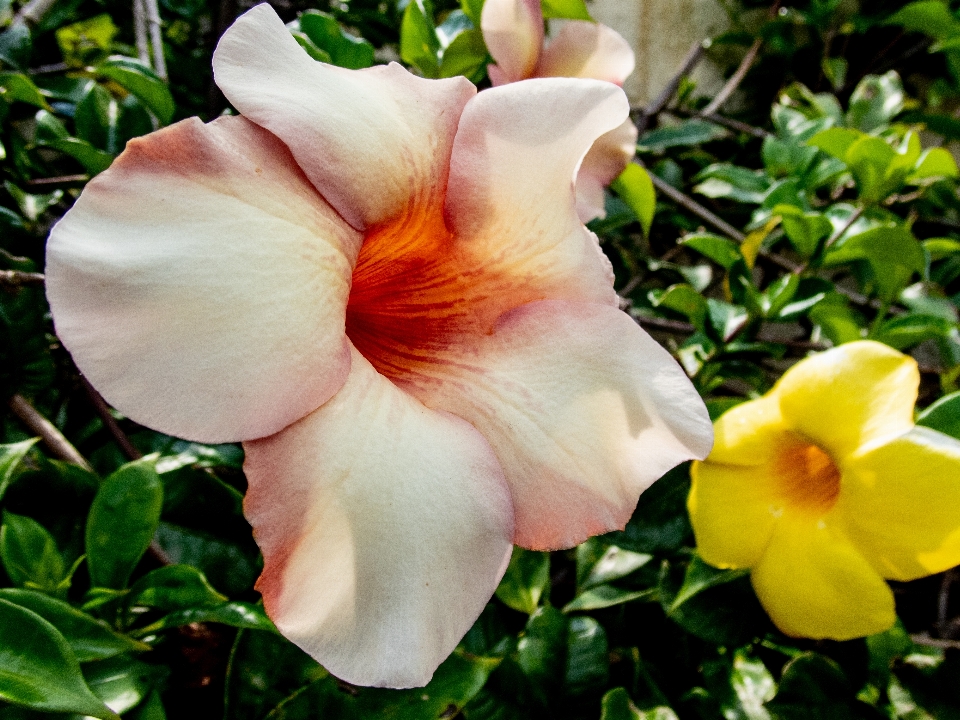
749, 434
850, 395
733, 510
901, 503
813, 583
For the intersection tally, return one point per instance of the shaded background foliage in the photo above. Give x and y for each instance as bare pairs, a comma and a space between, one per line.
127, 567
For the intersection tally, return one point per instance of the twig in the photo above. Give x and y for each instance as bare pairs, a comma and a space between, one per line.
928, 641
52, 438
103, 411
729, 123
140, 31
846, 226
51, 68
156, 38
33, 12
694, 56
17, 277
691, 205
734, 82
674, 326
59, 180
943, 600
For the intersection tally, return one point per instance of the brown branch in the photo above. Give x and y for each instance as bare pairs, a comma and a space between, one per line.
673, 326
52, 438
693, 58
734, 82
60, 180
17, 277
103, 412
692, 206
928, 641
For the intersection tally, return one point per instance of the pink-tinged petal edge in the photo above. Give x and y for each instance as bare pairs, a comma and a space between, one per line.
583, 409
166, 276
513, 33
583, 49
350, 130
385, 528
510, 198
607, 158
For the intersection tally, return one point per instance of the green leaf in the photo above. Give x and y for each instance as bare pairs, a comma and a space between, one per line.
419, 44
604, 596
905, 331
174, 587
931, 17
804, 229
873, 164
78, 41
599, 563
122, 521
660, 521
472, 9
876, 100
940, 248
122, 682
94, 161
342, 48
526, 580
682, 298
541, 651
16, 46
699, 577
787, 157
943, 415
38, 669
15, 87
836, 141
722, 180
30, 554
571, 9
635, 187
466, 55
892, 251
89, 639
151, 709
312, 50
934, 163
141, 82
588, 664
726, 319
96, 118
690, 132
11, 455
721, 250
236, 614
617, 705
813, 687
835, 70
752, 684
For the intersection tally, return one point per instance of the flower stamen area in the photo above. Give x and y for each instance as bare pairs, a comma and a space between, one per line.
809, 478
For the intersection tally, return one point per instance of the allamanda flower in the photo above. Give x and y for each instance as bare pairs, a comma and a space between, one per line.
513, 33
824, 486
380, 285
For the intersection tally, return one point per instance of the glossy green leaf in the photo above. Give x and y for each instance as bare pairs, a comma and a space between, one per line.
934, 163
15, 87
836, 141
342, 48
588, 663
571, 9
466, 55
690, 132
927, 16
660, 521
778, 295
307, 44
813, 686
236, 614
11, 455
16, 46
635, 187
472, 9
722, 180
721, 250
752, 684
122, 521
876, 100
151, 709
174, 587
140, 80
617, 705
89, 639
804, 229
96, 118
419, 44
892, 251
683, 299
541, 651
94, 161
699, 577
79, 40
943, 415
38, 669
526, 580
726, 319
599, 563
604, 596
122, 682
906, 331
30, 554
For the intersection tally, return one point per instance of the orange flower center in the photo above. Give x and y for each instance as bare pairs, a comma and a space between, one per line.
809, 478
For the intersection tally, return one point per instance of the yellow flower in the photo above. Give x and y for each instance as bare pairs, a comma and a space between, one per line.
824, 486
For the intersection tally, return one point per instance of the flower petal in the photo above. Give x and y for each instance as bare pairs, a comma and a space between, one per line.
850, 395
901, 502
385, 528
602, 164
813, 583
584, 49
510, 200
749, 434
350, 130
583, 409
166, 277
513, 33
733, 510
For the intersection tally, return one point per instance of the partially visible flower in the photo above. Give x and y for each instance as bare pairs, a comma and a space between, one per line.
380, 285
513, 32
824, 486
